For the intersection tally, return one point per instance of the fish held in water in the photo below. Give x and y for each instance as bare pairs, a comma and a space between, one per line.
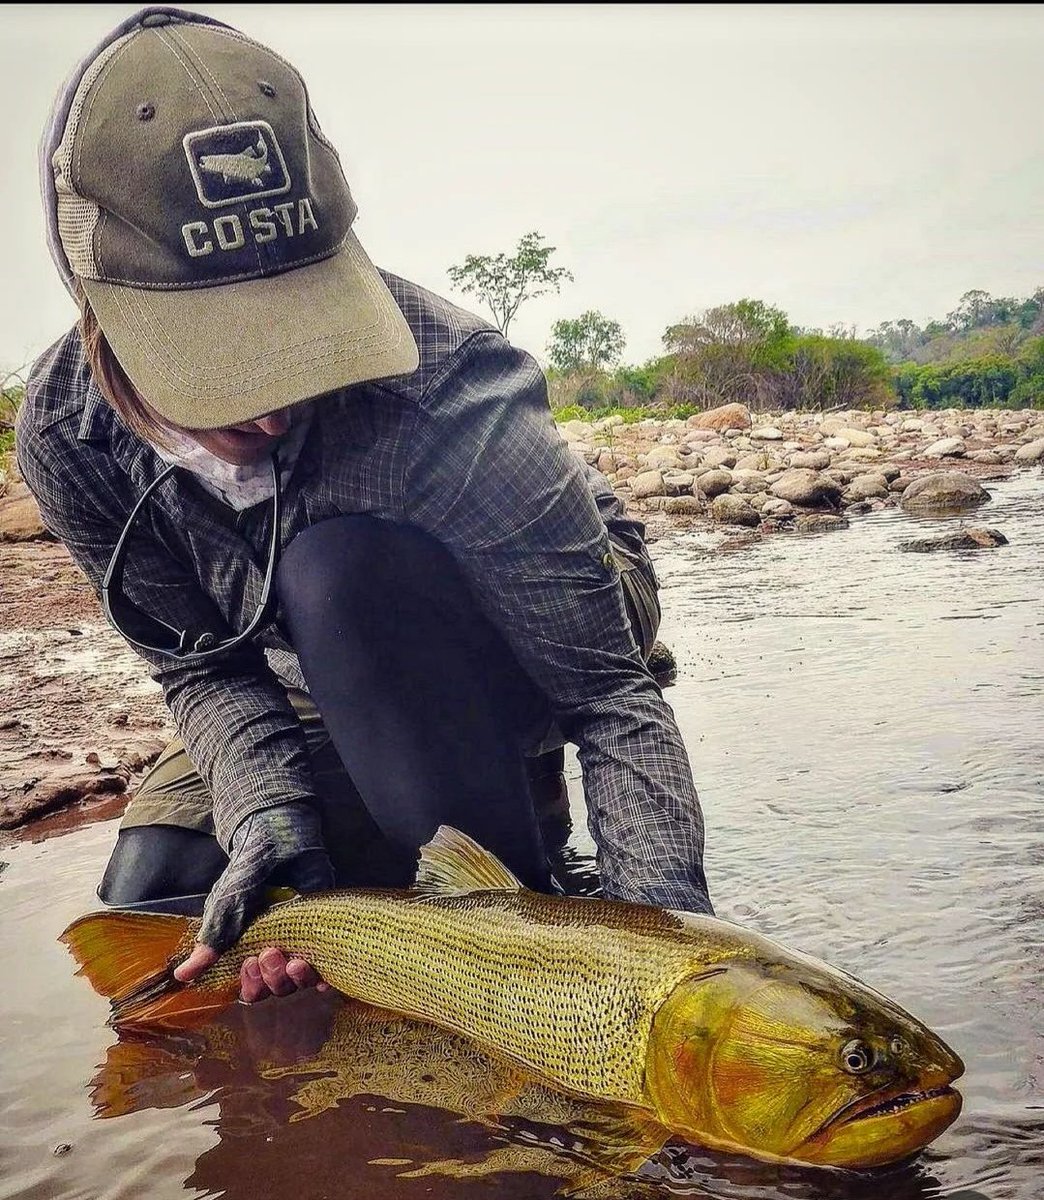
710, 1030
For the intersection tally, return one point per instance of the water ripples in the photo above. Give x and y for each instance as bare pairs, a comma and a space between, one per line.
865, 726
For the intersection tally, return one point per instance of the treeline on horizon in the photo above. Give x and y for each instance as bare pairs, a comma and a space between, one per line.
987, 353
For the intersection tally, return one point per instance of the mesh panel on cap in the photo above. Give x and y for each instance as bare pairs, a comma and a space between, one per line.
77, 216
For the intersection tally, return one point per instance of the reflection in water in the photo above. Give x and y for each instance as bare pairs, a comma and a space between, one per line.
292, 1079
315, 1070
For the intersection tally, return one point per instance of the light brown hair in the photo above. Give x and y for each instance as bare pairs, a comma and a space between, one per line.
113, 382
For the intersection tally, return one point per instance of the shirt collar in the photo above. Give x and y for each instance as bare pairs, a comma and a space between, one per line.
96, 421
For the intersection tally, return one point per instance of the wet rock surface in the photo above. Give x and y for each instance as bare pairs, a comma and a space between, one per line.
19, 517
963, 539
944, 491
79, 717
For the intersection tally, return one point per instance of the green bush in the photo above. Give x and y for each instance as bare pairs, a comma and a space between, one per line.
992, 381
572, 412
630, 416
12, 392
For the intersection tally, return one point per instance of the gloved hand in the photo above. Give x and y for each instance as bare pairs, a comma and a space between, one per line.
286, 836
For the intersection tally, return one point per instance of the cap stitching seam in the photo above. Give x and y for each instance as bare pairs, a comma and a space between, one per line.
336, 347
195, 284
374, 335
195, 81
173, 354
96, 85
194, 55
201, 66
236, 36
82, 124
266, 378
137, 316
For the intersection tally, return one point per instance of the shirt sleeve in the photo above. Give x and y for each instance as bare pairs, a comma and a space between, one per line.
491, 478
237, 724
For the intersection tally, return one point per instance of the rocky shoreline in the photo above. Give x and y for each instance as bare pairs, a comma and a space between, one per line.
80, 719
804, 472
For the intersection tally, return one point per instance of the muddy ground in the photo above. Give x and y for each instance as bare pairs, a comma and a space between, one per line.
79, 716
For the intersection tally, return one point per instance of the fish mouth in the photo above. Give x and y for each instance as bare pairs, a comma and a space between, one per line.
869, 1107
882, 1129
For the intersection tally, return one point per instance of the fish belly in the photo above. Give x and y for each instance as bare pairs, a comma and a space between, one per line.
540, 979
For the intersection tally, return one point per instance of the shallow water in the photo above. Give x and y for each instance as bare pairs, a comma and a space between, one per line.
866, 729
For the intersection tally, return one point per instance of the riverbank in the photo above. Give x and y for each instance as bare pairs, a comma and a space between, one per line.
80, 719
802, 472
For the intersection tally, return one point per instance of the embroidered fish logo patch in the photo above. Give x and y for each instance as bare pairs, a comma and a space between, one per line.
231, 163
247, 167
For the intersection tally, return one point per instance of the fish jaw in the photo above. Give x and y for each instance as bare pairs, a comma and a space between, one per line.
889, 1131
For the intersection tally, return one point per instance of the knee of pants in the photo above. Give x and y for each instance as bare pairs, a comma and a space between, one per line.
355, 563
323, 561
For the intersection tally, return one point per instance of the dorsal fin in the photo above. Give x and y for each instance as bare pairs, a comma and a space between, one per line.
452, 864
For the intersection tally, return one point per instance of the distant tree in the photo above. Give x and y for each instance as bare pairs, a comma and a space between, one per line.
840, 331
1029, 391
898, 339
980, 326
1030, 313
976, 308
504, 282
936, 329
732, 352
748, 323
590, 342
908, 333
1004, 310
834, 373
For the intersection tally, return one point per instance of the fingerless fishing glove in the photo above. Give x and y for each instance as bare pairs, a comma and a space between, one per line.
285, 837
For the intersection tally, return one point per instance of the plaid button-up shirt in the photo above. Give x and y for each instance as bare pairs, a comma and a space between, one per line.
464, 448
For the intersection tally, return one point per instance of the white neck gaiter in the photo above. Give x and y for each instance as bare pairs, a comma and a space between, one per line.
238, 487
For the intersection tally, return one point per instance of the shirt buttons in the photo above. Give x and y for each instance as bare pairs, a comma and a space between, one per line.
608, 561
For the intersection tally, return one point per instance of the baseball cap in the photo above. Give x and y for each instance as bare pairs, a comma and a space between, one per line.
192, 194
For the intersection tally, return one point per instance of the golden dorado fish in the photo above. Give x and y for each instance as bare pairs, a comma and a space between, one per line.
710, 1030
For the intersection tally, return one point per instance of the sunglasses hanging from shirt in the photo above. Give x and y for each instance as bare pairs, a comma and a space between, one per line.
157, 636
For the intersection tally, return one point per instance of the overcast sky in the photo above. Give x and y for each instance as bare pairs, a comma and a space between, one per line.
847, 163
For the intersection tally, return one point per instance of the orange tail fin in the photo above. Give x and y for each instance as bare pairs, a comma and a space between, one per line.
129, 957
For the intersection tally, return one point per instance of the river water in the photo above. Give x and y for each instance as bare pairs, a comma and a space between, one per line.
867, 729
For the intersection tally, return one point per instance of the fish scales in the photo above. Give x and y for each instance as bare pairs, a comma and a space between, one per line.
566, 987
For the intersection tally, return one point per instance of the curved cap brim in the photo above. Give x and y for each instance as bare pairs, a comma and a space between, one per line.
214, 356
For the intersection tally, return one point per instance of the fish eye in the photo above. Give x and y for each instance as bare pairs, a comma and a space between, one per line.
857, 1057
